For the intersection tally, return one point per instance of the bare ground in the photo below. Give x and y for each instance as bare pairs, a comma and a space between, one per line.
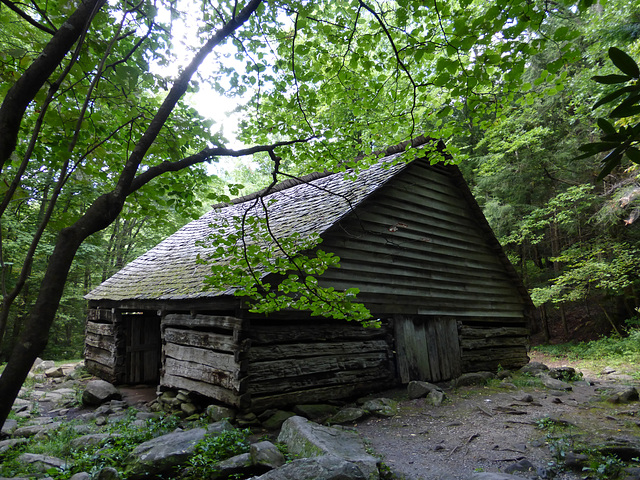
490, 429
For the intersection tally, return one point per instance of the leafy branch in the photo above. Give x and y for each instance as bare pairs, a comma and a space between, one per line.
622, 138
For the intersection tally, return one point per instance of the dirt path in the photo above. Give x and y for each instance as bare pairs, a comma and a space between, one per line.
492, 429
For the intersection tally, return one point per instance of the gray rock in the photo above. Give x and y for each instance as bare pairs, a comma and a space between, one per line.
381, 407
554, 384
493, 476
41, 462
474, 378
629, 394
41, 365
188, 408
238, 464
575, 461
9, 426
523, 465
165, 452
309, 439
34, 430
533, 368
6, 445
316, 412
216, 413
417, 389
524, 398
81, 476
276, 420
55, 372
219, 427
325, 467
563, 373
632, 473
435, 398
347, 415
266, 454
247, 420
107, 473
93, 440
98, 392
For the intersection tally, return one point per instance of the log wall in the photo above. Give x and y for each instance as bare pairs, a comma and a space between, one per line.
486, 348
102, 343
309, 361
206, 354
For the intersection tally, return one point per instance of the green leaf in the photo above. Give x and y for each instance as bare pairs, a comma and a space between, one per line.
625, 111
611, 79
606, 127
612, 96
624, 62
610, 162
597, 147
633, 154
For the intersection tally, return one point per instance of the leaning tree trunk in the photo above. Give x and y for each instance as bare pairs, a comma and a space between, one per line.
35, 332
102, 212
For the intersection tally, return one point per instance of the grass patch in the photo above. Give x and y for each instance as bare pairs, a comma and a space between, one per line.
621, 353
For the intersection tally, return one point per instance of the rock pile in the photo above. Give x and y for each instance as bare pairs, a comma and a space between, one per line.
323, 452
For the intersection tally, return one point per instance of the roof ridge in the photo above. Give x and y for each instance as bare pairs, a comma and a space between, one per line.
293, 181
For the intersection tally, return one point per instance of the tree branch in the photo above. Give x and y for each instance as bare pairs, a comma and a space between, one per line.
203, 156
27, 86
28, 18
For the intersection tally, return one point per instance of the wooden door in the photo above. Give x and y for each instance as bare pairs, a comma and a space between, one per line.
427, 349
143, 347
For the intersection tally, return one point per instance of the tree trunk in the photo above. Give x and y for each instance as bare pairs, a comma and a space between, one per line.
102, 212
35, 333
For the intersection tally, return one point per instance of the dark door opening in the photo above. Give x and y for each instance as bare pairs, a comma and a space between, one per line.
143, 347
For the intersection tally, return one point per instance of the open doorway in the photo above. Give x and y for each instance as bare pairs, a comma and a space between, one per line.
143, 347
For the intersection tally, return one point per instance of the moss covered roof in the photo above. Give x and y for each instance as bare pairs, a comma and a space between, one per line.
170, 270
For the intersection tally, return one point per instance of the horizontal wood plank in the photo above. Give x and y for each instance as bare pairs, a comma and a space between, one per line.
216, 392
304, 350
315, 395
310, 331
486, 332
204, 374
209, 340
202, 321
100, 370
100, 328
98, 355
222, 361
274, 386
100, 341
477, 343
293, 368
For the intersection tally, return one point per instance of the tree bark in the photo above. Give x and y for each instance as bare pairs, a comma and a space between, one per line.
100, 214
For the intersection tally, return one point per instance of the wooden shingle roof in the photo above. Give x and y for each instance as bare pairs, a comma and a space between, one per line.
170, 270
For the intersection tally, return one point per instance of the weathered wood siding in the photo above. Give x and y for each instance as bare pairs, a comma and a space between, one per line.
490, 347
415, 247
427, 348
418, 247
310, 361
101, 344
206, 354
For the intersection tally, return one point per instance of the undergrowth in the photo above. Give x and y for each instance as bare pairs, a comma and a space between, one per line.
127, 434
614, 351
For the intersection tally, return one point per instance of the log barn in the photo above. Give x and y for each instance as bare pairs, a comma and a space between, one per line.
410, 237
